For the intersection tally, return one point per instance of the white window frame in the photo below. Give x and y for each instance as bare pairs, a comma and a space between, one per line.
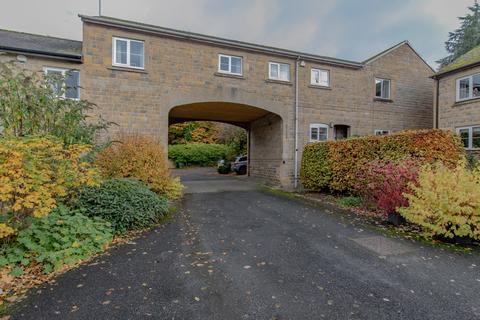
278, 64
470, 136
319, 70
114, 53
63, 72
221, 55
470, 90
383, 132
317, 126
381, 91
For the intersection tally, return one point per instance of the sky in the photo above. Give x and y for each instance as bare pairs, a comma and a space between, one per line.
348, 29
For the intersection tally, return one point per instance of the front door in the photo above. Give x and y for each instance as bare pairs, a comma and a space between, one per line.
341, 132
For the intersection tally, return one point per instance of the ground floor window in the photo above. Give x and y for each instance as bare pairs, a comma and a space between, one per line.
65, 82
470, 136
381, 132
318, 132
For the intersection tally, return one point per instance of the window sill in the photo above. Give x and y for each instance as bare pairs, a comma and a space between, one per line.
314, 86
383, 100
288, 83
461, 103
115, 68
229, 75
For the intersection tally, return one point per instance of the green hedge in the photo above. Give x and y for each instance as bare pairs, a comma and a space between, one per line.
197, 154
127, 204
334, 165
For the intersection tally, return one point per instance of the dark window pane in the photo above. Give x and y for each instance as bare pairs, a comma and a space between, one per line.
476, 86
136, 54
236, 65
72, 82
386, 89
224, 64
464, 90
378, 88
464, 136
121, 51
56, 80
314, 134
476, 137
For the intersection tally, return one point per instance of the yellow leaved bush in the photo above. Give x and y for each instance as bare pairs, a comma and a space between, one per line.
446, 201
141, 158
35, 173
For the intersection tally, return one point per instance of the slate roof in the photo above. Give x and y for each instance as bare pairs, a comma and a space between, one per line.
468, 59
26, 43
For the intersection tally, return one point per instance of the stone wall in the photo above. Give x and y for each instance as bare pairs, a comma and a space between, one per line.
180, 72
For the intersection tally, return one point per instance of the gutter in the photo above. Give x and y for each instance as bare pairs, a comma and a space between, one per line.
51, 55
295, 183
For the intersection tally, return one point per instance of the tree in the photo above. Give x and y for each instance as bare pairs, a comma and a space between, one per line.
464, 38
32, 105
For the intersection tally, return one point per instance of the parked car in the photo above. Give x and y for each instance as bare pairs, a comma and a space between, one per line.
240, 165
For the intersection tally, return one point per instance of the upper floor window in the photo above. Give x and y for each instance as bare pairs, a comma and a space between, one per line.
382, 88
128, 53
65, 83
468, 87
318, 132
470, 136
381, 132
230, 64
279, 71
320, 77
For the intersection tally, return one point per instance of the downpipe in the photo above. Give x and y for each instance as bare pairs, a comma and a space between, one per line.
295, 183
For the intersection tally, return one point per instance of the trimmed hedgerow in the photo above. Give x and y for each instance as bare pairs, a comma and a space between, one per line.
334, 165
197, 154
127, 204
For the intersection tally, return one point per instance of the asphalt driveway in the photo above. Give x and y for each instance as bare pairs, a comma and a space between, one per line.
236, 252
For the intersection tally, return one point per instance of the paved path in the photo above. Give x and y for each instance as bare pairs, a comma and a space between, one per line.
252, 255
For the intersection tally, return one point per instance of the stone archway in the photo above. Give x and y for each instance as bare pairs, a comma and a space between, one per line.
265, 133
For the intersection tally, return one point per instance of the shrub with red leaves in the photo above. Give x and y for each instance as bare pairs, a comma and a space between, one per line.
383, 183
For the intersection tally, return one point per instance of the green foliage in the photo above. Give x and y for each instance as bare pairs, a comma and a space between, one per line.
351, 201
197, 154
334, 165
61, 238
464, 38
224, 168
29, 106
446, 202
127, 204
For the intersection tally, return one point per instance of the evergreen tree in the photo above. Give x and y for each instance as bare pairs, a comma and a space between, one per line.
464, 38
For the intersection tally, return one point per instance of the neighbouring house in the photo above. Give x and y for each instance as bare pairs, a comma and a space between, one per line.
145, 77
457, 99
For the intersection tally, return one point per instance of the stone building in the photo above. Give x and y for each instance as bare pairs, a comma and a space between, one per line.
457, 99
145, 77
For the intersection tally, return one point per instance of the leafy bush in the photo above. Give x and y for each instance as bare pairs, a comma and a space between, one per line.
334, 165
34, 173
351, 201
127, 204
224, 168
140, 158
385, 183
446, 202
29, 106
61, 238
197, 154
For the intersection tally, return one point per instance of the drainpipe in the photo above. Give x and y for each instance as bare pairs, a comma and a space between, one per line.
295, 183
437, 103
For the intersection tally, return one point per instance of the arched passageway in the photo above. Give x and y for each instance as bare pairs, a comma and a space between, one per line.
264, 130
